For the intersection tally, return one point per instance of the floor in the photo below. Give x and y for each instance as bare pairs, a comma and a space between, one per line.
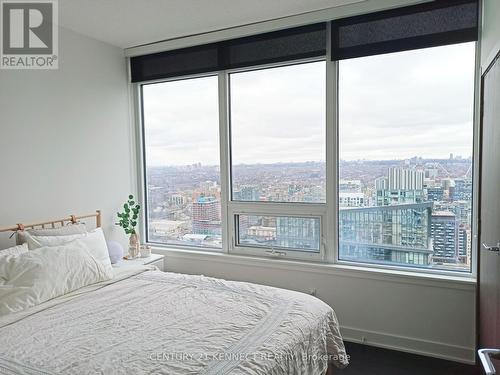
367, 360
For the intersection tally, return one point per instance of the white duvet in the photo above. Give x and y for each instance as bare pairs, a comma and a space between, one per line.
152, 322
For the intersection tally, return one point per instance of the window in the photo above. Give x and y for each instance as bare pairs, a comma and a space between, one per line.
405, 150
278, 157
279, 232
366, 160
181, 146
278, 142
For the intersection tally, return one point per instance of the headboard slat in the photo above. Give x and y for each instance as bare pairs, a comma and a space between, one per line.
71, 219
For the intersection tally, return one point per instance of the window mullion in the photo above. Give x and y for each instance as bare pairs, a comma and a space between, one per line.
224, 158
331, 230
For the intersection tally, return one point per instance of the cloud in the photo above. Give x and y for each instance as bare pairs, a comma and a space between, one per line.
414, 103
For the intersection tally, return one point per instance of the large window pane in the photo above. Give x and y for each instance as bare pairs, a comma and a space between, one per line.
280, 232
181, 142
278, 134
405, 147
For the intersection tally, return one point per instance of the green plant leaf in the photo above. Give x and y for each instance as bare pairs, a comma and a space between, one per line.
130, 196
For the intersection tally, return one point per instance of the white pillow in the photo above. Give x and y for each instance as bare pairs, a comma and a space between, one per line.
45, 273
78, 228
35, 242
15, 250
94, 240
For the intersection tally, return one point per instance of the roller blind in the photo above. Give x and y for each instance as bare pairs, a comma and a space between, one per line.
289, 44
432, 24
179, 62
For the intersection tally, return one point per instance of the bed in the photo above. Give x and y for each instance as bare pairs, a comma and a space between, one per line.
143, 321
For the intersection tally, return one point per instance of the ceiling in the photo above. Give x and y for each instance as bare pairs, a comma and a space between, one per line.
129, 23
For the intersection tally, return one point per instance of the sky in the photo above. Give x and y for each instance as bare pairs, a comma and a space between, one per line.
394, 106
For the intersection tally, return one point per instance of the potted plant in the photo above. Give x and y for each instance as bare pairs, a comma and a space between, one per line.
128, 221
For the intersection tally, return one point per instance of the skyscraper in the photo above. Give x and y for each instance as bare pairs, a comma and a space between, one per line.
444, 230
464, 243
206, 216
298, 233
396, 233
434, 193
351, 199
402, 185
462, 190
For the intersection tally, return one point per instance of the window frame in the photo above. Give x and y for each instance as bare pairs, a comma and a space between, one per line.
234, 208
328, 211
312, 210
142, 168
472, 272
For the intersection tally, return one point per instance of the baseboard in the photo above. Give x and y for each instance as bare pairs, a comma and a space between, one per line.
410, 345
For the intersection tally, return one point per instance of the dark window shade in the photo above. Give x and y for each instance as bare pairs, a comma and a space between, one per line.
180, 62
425, 25
284, 45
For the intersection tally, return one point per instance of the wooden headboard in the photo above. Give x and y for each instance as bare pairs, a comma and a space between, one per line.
54, 223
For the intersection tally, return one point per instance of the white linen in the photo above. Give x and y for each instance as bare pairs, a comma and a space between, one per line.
35, 242
6, 254
72, 229
45, 273
165, 323
118, 275
15, 250
78, 228
94, 240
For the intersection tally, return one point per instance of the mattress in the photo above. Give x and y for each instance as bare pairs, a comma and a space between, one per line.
150, 322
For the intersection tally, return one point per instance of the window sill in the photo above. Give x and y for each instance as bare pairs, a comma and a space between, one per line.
389, 275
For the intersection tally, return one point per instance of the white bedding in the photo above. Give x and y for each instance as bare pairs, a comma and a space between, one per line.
143, 322
43, 274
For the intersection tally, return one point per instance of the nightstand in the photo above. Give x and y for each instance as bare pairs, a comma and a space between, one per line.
154, 259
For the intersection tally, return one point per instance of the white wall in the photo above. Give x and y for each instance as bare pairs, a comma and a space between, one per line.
490, 43
65, 136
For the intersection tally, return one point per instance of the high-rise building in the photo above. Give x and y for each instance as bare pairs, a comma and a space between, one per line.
464, 243
405, 179
402, 185
351, 199
444, 231
206, 216
434, 193
350, 185
462, 190
262, 233
247, 193
397, 234
298, 233
176, 199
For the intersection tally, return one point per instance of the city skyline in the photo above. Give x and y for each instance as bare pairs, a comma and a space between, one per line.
415, 212
455, 157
